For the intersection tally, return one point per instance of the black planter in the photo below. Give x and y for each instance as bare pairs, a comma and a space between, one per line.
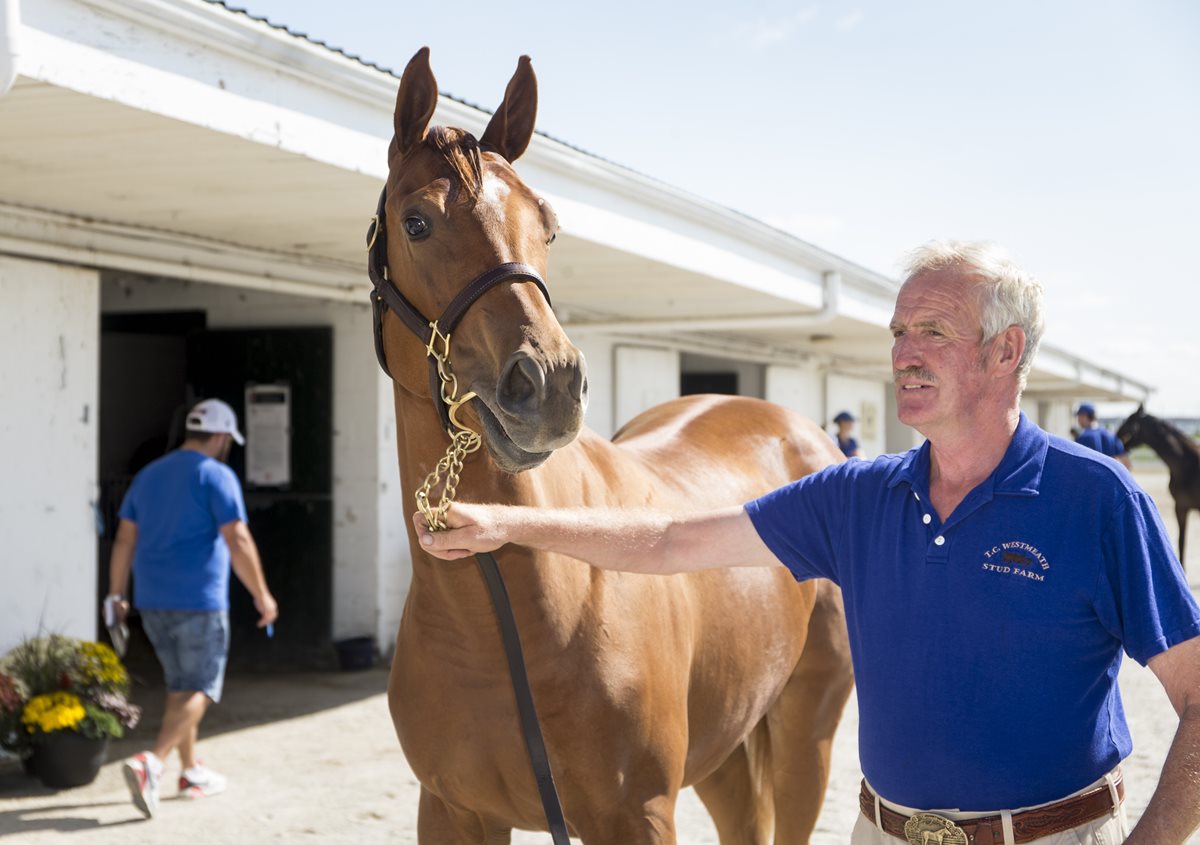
64, 759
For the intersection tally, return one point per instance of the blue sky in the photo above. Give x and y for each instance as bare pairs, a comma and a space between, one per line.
1067, 131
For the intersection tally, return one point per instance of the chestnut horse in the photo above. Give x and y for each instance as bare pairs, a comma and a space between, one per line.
1179, 452
732, 681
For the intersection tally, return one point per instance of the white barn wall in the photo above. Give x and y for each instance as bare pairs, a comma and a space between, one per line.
599, 353
750, 376
867, 400
799, 388
393, 554
49, 437
367, 553
644, 376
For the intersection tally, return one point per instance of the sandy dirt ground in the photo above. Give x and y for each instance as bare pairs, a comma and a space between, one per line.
312, 758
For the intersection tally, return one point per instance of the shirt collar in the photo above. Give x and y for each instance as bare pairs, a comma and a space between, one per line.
1019, 472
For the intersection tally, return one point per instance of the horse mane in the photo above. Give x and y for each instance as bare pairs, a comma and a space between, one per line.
1175, 436
460, 150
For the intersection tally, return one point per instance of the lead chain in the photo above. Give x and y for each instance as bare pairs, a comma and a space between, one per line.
463, 442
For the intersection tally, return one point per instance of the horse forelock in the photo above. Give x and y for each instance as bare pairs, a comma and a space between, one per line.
460, 151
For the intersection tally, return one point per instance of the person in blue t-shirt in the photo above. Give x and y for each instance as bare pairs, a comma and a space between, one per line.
844, 439
1095, 436
992, 580
183, 524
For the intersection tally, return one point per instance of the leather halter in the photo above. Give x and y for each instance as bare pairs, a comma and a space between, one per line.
387, 295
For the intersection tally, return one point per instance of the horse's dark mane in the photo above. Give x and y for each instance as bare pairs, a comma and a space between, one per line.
1173, 433
461, 151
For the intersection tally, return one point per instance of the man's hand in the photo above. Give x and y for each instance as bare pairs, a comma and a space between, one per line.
267, 608
120, 610
470, 529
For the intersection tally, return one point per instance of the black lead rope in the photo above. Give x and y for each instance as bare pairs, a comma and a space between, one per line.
530, 727
386, 295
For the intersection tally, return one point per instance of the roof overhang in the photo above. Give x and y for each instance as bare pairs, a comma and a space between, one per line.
177, 138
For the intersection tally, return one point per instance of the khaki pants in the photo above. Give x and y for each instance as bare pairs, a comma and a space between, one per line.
1106, 830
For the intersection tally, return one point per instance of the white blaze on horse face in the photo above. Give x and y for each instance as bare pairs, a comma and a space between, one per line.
493, 200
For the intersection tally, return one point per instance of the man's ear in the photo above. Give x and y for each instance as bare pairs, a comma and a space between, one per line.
1007, 349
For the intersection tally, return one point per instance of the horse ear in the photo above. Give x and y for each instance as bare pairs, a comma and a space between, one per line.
511, 127
415, 102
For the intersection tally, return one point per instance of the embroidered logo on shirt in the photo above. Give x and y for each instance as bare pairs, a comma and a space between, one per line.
1017, 558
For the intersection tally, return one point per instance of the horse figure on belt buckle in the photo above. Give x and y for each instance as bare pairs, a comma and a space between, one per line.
931, 829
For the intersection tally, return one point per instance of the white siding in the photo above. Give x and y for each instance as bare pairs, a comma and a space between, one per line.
48, 445
644, 377
601, 411
800, 389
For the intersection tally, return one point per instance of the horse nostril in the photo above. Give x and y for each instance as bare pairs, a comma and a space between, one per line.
523, 385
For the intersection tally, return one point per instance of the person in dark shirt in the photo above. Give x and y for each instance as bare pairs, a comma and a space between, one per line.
845, 440
1095, 436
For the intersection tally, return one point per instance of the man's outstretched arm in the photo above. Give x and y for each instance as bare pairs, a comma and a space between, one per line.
630, 541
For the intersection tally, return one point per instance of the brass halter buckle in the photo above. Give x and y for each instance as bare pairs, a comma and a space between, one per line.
932, 829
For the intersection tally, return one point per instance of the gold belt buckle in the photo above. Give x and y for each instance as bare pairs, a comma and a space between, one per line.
932, 829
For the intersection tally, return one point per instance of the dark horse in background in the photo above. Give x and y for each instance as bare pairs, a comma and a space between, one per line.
1178, 451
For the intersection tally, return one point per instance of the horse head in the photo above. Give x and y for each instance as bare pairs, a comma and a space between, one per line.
1131, 431
455, 208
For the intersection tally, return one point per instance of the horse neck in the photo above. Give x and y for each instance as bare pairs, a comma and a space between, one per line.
1171, 445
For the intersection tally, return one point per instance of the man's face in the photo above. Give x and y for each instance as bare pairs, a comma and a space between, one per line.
1084, 420
226, 446
937, 359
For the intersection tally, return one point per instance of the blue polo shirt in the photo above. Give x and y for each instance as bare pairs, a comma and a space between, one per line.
986, 648
179, 503
1102, 440
848, 446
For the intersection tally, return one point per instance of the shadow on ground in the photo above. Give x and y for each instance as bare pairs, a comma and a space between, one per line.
250, 699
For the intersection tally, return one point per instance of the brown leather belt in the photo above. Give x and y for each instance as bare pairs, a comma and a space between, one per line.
986, 830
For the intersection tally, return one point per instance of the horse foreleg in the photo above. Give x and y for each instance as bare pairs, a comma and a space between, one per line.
439, 824
1181, 514
803, 720
738, 795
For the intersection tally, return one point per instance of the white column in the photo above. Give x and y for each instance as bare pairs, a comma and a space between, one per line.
49, 342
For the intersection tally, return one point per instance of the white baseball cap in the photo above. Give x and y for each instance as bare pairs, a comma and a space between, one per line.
215, 417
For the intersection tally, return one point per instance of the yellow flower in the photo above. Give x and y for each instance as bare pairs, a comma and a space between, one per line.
54, 711
99, 665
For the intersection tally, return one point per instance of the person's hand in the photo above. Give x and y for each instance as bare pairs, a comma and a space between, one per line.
120, 609
267, 608
469, 529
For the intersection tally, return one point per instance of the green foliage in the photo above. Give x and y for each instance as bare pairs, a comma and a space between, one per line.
43, 683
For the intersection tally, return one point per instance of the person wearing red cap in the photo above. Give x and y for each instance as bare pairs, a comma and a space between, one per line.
182, 528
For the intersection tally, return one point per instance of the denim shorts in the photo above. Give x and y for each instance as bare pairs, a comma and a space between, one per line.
192, 646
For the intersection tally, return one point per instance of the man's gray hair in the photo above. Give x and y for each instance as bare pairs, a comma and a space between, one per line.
1008, 296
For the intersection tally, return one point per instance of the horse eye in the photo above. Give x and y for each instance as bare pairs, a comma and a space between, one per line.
552, 238
415, 226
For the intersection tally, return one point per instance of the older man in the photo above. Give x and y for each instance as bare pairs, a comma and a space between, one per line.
992, 579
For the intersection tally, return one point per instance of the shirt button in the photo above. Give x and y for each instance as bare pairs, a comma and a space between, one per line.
916, 495
939, 541
927, 519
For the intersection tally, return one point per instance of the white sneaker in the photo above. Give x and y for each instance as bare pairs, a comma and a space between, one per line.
200, 782
142, 774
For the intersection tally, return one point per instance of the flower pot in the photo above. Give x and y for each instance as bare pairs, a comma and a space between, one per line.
64, 759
